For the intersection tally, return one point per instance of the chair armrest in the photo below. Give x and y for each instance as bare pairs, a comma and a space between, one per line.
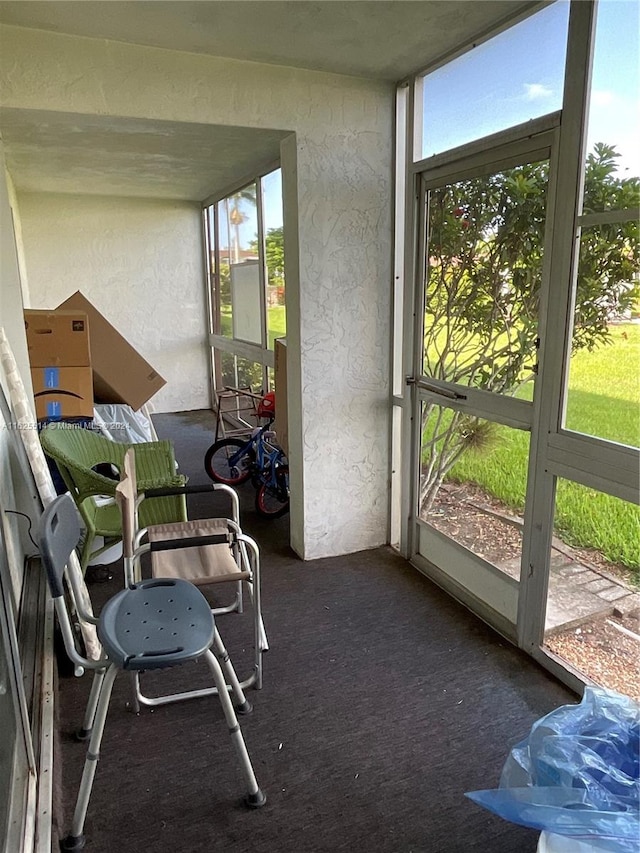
156, 465
170, 490
163, 486
176, 490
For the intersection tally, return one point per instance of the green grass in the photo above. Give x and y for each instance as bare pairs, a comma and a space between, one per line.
603, 400
276, 322
604, 389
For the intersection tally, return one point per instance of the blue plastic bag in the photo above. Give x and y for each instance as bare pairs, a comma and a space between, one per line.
577, 774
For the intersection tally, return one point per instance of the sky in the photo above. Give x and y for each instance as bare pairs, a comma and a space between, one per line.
615, 89
272, 211
519, 75
272, 200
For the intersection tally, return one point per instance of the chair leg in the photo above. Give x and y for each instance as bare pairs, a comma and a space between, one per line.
135, 692
243, 706
85, 554
255, 796
84, 732
261, 643
76, 840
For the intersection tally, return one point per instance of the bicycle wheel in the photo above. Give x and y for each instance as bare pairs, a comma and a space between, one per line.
273, 501
218, 467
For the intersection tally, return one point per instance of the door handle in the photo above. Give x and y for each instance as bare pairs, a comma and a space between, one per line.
435, 389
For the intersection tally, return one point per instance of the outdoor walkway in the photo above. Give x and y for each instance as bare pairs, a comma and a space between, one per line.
578, 592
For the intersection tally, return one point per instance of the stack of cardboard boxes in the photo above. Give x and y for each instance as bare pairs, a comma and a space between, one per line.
60, 357
77, 357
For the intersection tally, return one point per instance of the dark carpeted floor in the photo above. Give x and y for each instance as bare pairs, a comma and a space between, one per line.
383, 702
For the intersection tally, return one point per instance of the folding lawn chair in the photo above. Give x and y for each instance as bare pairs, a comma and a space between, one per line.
204, 552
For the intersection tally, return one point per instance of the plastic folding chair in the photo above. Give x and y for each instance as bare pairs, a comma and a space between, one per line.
202, 551
154, 624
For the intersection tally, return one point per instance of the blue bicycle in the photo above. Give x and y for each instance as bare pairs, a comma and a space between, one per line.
233, 461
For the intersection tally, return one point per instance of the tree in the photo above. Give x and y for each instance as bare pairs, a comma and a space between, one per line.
240, 373
274, 255
232, 211
235, 371
237, 215
483, 276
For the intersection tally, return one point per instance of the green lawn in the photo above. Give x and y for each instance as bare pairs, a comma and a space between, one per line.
276, 322
604, 400
604, 389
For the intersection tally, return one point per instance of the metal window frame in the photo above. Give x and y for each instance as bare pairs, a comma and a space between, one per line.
594, 462
23, 799
397, 402
33, 662
555, 451
209, 222
257, 353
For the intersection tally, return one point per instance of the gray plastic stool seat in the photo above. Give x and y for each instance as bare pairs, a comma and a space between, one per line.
156, 624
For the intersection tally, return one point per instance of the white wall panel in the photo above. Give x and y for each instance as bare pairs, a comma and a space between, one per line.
139, 261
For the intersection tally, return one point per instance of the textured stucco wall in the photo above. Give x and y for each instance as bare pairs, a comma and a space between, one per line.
139, 261
338, 317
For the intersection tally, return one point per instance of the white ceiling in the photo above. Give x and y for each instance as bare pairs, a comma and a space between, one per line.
104, 155
381, 39
378, 39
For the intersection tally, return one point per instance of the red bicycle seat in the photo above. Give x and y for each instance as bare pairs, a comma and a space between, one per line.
267, 405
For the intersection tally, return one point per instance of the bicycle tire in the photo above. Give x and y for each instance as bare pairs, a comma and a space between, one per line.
268, 504
216, 462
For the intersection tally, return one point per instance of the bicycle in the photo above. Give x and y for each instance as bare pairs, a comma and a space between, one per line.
233, 461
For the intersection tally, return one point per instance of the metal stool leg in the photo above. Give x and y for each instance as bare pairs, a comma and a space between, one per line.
84, 732
76, 840
135, 692
243, 706
255, 797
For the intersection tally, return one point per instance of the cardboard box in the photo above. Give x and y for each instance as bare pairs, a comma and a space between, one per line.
62, 392
57, 338
59, 353
120, 374
281, 423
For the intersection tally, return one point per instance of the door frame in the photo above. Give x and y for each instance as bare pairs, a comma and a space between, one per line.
475, 582
554, 451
